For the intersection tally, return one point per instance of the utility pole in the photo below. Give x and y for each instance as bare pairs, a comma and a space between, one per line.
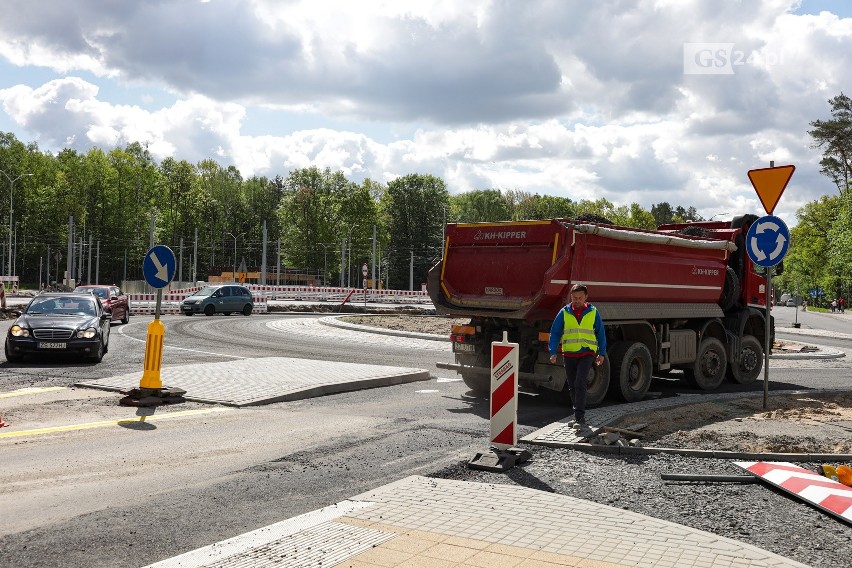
98, 264
47, 268
69, 261
342, 253
411, 272
180, 264
374, 257
89, 267
195, 259
263, 260
278, 264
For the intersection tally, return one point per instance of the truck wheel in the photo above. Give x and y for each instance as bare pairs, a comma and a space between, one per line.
479, 384
598, 383
631, 370
751, 361
708, 371
731, 291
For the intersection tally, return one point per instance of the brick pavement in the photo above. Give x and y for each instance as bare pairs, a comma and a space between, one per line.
423, 522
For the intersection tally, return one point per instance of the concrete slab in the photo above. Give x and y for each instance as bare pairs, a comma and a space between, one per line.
249, 382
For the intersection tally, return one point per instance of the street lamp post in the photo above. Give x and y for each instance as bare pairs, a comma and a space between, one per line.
349, 257
324, 262
234, 274
11, 191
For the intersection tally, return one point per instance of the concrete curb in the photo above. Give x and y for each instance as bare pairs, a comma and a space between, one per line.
825, 353
813, 332
533, 437
334, 321
718, 454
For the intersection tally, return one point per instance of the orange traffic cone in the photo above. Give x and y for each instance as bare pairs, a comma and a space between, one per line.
2, 424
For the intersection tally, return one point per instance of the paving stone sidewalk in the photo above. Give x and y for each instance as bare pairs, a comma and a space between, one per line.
423, 522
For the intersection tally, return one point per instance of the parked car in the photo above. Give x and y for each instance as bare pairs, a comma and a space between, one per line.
223, 299
60, 323
791, 303
114, 301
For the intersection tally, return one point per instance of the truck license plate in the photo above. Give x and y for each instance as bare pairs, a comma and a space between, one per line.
52, 345
464, 347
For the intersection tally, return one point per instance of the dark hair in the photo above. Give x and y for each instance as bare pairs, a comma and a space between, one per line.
579, 288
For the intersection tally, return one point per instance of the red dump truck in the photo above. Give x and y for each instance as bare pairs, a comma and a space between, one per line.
685, 296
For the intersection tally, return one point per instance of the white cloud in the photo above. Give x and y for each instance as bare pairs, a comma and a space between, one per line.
560, 97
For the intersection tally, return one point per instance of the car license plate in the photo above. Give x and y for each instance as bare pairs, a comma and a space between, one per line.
52, 345
464, 348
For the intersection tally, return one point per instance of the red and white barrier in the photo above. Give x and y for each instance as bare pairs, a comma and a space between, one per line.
504, 394
829, 495
144, 303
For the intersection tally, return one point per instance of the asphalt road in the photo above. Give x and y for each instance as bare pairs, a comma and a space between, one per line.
133, 494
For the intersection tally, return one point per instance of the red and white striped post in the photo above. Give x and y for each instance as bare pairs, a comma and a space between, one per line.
504, 393
503, 454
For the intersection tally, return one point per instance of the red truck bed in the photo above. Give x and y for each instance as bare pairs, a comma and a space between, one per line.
525, 269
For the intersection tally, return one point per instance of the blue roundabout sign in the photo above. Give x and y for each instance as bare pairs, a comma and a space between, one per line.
767, 241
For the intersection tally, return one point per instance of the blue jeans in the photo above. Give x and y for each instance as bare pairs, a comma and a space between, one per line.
577, 371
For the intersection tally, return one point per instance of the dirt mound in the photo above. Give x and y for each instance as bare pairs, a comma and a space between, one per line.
795, 423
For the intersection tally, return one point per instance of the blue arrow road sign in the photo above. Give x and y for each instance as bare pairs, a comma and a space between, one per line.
159, 266
767, 241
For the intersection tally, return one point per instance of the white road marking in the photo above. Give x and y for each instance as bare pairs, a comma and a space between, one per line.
443, 380
427, 391
121, 332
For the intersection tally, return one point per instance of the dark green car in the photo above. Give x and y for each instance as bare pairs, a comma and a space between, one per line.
222, 299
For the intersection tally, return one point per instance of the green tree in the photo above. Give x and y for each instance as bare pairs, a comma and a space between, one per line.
806, 265
834, 138
412, 208
480, 205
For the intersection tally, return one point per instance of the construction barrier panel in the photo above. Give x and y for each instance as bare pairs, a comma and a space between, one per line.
830, 496
504, 394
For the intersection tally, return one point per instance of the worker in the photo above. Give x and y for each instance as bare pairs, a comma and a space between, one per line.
579, 330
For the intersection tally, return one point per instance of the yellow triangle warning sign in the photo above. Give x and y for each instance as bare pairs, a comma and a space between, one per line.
770, 183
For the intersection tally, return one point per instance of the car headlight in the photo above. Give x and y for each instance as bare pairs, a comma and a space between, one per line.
19, 331
87, 333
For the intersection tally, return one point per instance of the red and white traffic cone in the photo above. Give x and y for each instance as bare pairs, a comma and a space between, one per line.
2, 424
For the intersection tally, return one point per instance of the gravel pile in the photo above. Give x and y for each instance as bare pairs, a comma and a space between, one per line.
756, 513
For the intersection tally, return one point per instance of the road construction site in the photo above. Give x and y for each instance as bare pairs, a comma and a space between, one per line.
393, 460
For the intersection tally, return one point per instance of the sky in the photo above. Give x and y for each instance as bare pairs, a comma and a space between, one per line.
630, 100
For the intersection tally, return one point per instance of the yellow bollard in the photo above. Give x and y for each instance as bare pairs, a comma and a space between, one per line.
153, 356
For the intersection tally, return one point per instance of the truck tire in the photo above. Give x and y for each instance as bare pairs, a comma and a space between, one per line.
479, 384
731, 292
632, 368
597, 385
751, 361
711, 363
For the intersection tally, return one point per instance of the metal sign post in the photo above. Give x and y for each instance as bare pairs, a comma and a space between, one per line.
766, 243
364, 272
768, 340
158, 267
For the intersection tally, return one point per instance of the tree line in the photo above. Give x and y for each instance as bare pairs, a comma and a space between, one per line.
819, 262
318, 219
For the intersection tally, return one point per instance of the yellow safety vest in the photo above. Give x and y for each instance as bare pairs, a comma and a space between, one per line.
576, 336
